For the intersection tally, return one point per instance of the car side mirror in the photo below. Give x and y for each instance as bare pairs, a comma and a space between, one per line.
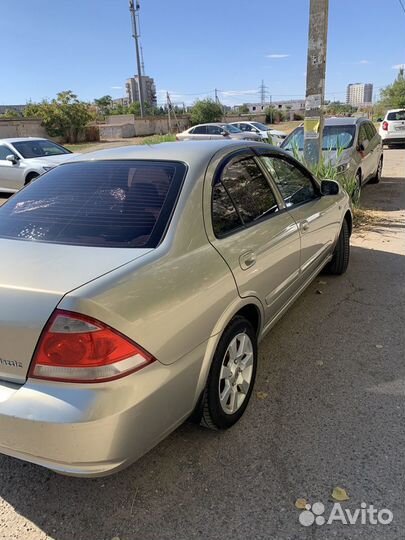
224, 133
362, 146
11, 157
329, 187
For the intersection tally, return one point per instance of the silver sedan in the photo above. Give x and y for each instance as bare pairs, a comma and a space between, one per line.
135, 286
205, 132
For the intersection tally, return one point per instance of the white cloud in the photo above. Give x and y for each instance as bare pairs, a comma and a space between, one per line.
116, 87
398, 66
364, 62
277, 55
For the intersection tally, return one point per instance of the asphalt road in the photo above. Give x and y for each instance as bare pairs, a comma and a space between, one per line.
330, 412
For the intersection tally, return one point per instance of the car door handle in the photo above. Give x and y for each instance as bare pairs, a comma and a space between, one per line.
247, 260
304, 225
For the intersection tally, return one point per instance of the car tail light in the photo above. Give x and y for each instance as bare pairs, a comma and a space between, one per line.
385, 126
77, 348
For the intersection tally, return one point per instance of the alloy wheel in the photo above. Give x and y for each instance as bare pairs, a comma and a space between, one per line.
236, 373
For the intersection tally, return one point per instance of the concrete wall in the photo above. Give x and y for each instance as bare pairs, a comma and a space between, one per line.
246, 118
21, 128
150, 125
116, 131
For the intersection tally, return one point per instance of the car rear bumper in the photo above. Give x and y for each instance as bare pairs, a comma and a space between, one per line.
397, 138
94, 430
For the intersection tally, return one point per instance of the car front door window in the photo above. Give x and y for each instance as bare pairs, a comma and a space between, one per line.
249, 190
4, 152
295, 186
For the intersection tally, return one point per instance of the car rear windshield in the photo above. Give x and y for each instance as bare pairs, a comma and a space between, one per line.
102, 203
397, 115
39, 148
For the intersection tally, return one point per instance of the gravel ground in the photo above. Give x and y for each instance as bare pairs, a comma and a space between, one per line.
328, 411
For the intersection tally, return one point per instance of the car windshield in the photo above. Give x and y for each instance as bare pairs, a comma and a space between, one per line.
102, 203
397, 115
334, 138
230, 128
260, 126
39, 148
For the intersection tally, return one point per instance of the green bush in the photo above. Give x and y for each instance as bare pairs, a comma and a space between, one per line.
326, 170
205, 111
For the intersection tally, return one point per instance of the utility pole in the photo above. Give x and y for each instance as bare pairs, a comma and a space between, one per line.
315, 91
218, 102
271, 109
262, 93
135, 35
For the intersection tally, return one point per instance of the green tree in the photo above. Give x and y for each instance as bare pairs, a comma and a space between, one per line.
336, 108
11, 113
274, 116
104, 104
243, 109
206, 110
393, 95
66, 116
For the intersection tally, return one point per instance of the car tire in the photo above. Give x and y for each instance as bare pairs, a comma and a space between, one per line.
377, 177
31, 177
341, 255
231, 377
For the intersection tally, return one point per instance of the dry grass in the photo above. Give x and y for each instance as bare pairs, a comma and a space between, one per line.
287, 127
364, 219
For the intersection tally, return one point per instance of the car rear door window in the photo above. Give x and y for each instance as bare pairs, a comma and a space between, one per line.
225, 218
200, 130
214, 130
96, 203
249, 190
295, 186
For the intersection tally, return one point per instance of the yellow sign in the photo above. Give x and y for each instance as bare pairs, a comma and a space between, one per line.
311, 127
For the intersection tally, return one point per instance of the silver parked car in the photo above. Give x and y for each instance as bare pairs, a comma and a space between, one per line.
266, 134
204, 132
351, 143
135, 286
25, 158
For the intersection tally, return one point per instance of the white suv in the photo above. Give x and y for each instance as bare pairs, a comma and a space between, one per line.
392, 128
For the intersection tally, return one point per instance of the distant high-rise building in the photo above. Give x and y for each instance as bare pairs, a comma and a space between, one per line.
359, 94
148, 86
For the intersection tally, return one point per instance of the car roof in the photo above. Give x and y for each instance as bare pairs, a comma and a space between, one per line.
396, 110
344, 121
22, 139
185, 151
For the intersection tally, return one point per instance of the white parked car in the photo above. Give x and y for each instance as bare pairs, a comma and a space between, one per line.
392, 128
265, 133
216, 131
23, 159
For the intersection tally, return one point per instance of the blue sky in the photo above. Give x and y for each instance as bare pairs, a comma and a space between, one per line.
193, 46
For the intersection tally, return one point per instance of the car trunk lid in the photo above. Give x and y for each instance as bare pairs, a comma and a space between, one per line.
34, 277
